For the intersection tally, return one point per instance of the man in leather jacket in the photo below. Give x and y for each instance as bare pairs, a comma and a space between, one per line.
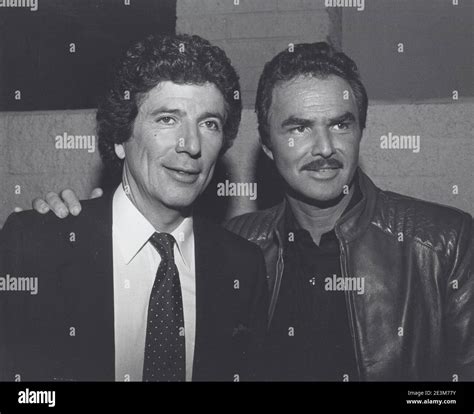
414, 319
365, 284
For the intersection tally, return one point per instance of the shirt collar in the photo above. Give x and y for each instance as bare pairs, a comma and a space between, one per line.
134, 230
184, 236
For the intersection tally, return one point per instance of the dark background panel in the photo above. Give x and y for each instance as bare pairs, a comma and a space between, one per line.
438, 40
35, 53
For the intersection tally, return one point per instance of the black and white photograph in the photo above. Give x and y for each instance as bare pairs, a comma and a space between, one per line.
221, 191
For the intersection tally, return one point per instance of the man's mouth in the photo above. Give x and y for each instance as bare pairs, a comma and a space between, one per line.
325, 168
183, 175
184, 170
323, 172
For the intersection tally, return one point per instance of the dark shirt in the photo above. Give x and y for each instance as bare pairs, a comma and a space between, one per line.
309, 338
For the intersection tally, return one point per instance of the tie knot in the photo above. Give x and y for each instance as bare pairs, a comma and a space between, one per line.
164, 243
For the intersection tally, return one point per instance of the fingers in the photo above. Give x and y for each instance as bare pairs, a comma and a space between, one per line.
57, 205
71, 201
40, 205
96, 193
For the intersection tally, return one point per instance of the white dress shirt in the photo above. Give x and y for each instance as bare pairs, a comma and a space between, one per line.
135, 264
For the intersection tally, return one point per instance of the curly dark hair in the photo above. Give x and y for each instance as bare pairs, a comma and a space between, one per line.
182, 59
307, 59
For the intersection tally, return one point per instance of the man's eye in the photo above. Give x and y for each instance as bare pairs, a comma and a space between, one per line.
299, 129
166, 120
212, 125
341, 126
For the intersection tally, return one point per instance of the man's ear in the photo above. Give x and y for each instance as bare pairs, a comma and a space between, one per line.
120, 151
267, 151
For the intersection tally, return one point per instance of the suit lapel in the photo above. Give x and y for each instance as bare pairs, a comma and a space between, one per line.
87, 284
211, 301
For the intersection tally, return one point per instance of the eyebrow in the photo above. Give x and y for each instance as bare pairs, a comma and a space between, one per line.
347, 116
163, 109
294, 120
179, 112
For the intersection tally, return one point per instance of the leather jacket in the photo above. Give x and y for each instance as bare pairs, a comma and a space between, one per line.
415, 320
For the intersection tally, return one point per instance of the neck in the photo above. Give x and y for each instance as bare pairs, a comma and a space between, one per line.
319, 218
161, 217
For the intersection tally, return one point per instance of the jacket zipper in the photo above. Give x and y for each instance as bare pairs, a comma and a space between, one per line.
276, 288
350, 312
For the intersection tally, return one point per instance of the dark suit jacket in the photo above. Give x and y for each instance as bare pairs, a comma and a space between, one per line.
66, 331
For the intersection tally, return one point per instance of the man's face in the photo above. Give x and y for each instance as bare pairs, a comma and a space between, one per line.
314, 135
176, 139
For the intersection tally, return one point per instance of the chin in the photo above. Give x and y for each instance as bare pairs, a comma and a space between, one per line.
180, 203
323, 197
320, 195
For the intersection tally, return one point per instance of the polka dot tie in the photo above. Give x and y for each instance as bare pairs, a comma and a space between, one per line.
165, 345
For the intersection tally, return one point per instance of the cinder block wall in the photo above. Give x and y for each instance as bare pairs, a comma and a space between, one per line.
28, 156
253, 31
30, 163
446, 153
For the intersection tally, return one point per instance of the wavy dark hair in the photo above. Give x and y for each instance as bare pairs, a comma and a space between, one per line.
307, 59
182, 59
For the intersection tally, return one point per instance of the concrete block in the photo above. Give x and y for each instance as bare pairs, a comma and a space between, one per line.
399, 120
210, 27
286, 5
292, 24
33, 142
255, 53
205, 7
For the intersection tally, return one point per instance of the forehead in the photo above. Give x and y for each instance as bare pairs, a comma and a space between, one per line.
205, 96
309, 97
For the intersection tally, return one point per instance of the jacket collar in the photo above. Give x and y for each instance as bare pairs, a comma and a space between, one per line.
355, 221
280, 222
352, 223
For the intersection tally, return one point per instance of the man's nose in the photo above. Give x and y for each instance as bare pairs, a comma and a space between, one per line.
190, 141
322, 143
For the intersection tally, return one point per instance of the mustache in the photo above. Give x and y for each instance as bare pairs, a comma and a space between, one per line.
322, 163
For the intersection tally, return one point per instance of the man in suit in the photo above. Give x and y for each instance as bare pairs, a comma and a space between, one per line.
137, 287
365, 284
